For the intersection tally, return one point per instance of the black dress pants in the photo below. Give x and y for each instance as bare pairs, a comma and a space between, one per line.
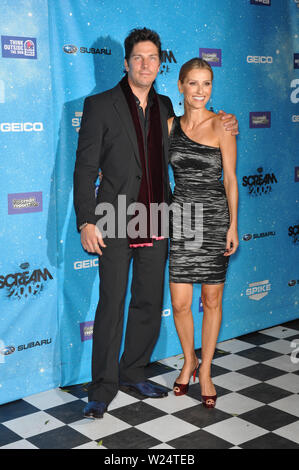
144, 316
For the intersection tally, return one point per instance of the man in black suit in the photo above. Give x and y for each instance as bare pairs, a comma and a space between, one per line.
124, 133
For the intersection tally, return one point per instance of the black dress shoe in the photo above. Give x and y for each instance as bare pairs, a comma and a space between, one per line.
95, 409
146, 389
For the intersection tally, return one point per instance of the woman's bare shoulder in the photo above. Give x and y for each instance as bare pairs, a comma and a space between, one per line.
218, 126
215, 120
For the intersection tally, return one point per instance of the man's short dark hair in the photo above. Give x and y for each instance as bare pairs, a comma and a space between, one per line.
140, 35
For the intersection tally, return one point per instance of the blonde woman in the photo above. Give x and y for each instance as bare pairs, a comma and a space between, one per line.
200, 149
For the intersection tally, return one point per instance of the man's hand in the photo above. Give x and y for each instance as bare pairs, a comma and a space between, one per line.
91, 239
230, 122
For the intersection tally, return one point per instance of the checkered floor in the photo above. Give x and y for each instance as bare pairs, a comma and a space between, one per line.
257, 380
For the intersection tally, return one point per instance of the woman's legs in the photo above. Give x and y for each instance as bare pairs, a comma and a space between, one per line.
211, 296
181, 297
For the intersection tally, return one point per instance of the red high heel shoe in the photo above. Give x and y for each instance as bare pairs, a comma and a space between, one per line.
206, 398
183, 388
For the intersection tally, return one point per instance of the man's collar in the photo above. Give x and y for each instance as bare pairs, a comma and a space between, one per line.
149, 98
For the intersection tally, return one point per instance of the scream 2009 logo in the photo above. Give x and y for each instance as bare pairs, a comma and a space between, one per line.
25, 283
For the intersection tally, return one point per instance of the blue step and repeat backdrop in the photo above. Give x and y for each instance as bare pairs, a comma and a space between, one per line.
54, 54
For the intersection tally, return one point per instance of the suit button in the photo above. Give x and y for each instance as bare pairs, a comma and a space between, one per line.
138, 177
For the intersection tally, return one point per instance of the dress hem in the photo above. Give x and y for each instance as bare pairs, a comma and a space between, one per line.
196, 281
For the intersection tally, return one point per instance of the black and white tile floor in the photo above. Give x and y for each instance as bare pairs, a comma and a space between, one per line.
257, 380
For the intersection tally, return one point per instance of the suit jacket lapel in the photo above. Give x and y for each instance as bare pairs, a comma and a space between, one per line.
120, 104
164, 114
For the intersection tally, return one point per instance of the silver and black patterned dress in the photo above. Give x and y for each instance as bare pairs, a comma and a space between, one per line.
200, 195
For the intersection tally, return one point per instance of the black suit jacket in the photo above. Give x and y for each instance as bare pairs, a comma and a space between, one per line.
107, 141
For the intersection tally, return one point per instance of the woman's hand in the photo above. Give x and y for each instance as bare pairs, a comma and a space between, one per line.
232, 241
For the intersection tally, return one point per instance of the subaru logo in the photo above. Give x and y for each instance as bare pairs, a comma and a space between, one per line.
7, 350
70, 49
247, 237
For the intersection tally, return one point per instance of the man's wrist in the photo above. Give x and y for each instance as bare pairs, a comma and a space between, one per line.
83, 225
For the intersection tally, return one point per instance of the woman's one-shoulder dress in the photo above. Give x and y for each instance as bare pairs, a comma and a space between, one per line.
199, 218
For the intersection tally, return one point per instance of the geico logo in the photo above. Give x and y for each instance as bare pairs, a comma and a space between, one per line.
21, 126
88, 263
295, 118
256, 59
